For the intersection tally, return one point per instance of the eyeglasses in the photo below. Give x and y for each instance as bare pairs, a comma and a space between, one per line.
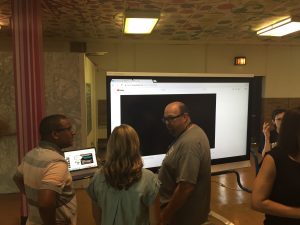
71, 129
171, 118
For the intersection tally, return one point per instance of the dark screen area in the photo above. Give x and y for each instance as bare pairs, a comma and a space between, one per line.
144, 113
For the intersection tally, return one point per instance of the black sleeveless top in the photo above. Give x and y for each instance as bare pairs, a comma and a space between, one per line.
286, 188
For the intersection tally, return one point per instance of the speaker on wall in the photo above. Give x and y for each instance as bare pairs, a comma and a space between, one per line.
77, 46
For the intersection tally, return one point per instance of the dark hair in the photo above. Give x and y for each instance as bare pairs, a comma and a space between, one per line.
123, 165
183, 108
49, 124
276, 112
289, 134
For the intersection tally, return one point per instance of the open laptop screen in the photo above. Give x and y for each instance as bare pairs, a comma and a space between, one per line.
81, 159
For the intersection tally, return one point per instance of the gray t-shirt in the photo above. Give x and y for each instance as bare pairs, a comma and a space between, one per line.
188, 160
124, 207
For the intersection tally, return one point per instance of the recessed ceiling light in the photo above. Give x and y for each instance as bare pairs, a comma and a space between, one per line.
140, 22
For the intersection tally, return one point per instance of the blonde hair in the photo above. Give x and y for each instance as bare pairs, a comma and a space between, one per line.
123, 165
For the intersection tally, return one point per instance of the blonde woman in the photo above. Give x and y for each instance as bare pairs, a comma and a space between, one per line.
122, 191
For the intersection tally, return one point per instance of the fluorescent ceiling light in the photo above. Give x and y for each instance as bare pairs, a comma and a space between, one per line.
281, 28
140, 22
139, 25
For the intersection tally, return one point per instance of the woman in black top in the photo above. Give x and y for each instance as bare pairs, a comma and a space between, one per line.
276, 190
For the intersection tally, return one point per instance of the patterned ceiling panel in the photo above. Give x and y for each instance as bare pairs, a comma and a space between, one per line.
181, 20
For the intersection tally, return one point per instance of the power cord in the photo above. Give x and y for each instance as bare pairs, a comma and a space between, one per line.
238, 179
223, 185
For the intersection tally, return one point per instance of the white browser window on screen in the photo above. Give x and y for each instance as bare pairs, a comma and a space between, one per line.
220, 106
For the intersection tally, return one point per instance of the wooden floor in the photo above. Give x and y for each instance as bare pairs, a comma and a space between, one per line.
228, 203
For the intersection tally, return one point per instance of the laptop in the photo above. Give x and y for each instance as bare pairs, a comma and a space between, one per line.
82, 163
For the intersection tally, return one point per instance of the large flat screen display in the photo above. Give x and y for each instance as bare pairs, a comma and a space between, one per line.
219, 105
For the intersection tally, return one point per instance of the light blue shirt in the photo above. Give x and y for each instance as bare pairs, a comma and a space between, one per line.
123, 207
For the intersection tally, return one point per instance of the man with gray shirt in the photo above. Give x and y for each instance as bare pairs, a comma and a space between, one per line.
185, 172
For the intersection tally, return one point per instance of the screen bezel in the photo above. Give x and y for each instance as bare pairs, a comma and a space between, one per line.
183, 79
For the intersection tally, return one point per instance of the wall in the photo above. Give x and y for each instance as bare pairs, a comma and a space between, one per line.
90, 103
8, 140
278, 63
100, 87
64, 76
